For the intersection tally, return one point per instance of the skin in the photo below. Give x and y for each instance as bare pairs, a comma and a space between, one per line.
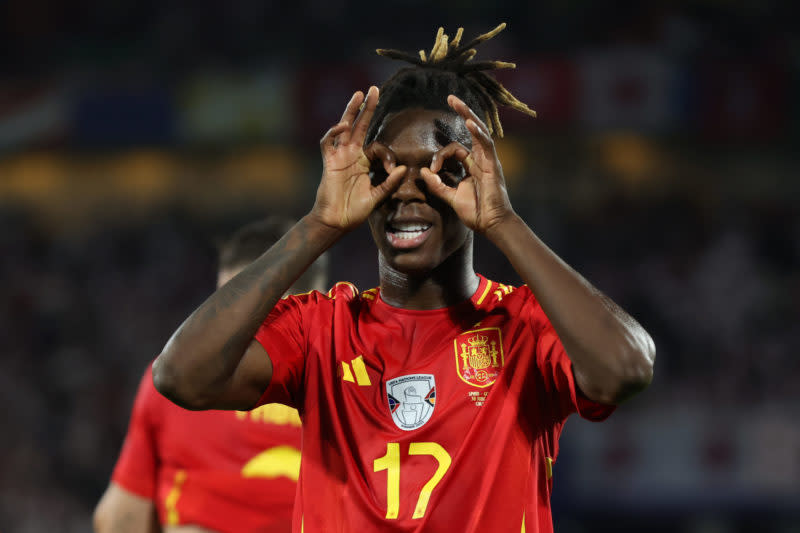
417, 278
456, 186
121, 511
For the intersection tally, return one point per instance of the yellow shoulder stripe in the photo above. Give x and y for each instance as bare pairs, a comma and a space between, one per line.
485, 291
171, 501
347, 283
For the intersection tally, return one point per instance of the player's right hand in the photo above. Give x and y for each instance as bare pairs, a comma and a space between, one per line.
346, 195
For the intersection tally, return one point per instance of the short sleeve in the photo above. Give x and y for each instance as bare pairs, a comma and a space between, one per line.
558, 377
136, 466
282, 334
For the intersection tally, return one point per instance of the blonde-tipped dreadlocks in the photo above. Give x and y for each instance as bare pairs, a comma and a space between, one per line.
457, 73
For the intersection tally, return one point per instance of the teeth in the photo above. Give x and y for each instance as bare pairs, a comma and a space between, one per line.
410, 226
408, 230
403, 235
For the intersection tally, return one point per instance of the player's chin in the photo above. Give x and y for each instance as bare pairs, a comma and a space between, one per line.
411, 262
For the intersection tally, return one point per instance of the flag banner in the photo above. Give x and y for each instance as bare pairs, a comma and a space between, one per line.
627, 88
547, 85
741, 100
223, 109
32, 114
321, 93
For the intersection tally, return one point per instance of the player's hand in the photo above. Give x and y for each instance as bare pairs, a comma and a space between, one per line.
346, 195
480, 199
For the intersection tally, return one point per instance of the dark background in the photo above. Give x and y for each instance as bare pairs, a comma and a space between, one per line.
663, 166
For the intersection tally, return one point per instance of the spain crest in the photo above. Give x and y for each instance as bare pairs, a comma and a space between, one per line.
479, 356
411, 400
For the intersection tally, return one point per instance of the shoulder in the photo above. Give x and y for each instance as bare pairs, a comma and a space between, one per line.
341, 291
513, 302
493, 294
149, 405
147, 390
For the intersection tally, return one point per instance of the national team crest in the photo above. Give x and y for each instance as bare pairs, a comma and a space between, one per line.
479, 356
411, 400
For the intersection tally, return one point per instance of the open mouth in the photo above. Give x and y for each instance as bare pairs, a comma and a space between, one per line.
407, 234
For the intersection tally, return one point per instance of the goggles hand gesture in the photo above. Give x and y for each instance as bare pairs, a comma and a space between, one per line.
346, 193
480, 199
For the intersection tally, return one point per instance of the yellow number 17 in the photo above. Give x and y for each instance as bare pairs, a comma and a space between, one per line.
391, 463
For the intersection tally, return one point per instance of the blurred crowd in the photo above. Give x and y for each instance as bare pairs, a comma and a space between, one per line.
694, 231
172, 37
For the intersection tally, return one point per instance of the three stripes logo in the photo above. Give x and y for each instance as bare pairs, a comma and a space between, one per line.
358, 374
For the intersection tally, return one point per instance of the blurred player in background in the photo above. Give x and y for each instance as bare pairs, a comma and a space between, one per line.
434, 402
192, 472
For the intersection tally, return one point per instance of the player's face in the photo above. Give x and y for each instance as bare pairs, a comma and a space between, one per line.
415, 231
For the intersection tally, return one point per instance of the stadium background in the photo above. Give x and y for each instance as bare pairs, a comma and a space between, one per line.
663, 166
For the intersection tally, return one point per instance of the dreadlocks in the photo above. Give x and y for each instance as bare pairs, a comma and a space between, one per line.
447, 69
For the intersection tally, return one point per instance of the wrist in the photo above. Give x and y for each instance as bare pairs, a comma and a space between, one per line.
504, 228
321, 231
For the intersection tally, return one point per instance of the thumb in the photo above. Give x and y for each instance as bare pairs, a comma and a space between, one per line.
384, 189
437, 187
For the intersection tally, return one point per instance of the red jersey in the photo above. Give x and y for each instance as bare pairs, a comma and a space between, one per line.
228, 471
442, 420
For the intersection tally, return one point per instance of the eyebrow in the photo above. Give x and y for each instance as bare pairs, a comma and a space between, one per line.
444, 129
445, 133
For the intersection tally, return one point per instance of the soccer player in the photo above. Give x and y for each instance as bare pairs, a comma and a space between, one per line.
433, 402
224, 471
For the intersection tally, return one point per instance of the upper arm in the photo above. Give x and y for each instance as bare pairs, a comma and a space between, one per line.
249, 381
243, 383
121, 511
274, 359
137, 463
562, 382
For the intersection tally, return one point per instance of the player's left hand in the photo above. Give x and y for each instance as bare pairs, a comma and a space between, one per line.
480, 199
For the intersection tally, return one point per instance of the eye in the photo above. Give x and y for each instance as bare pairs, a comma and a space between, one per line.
377, 174
452, 171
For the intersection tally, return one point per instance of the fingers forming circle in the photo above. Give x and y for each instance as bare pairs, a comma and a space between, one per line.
468, 162
379, 151
365, 114
480, 134
351, 110
468, 114
453, 150
331, 137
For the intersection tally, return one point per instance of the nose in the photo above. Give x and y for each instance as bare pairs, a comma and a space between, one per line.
412, 187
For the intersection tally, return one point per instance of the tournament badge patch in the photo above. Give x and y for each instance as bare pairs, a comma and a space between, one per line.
411, 400
479, 356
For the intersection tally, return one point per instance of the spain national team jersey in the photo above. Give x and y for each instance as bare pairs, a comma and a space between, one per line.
227, 471
423, 421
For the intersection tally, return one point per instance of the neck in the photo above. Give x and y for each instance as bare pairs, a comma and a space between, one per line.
452, 282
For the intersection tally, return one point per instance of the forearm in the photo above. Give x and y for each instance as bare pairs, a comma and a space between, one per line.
612, 355
121, 511
204, 353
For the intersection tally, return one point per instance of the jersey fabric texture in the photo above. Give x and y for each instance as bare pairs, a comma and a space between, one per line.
228, 471
423, 421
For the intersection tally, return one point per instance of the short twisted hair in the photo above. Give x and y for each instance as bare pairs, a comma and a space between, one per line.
447, 69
